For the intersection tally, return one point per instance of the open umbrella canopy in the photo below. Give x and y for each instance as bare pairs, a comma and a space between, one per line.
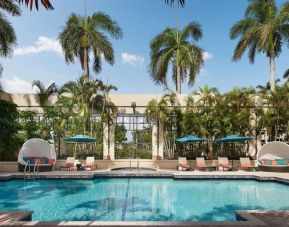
81, 139
233, 138
190, 139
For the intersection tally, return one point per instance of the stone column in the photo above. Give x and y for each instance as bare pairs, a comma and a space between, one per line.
157, 141
108, 141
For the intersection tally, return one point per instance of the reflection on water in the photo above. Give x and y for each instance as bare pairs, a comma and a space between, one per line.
141, 199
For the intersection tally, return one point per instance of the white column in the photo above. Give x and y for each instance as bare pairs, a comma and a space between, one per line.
157, 141
108, 141
105, 141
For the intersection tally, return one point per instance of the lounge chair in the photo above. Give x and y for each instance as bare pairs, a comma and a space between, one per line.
89, 163
246, 164
201, 164
183, 164
223, 163
69, 163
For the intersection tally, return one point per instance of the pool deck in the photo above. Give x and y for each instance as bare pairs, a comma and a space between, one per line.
255, 175
244, 218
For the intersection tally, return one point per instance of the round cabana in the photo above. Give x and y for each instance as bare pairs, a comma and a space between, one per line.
36, 152
274, 156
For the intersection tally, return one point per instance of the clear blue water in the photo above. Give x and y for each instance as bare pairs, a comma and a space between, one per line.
141, 199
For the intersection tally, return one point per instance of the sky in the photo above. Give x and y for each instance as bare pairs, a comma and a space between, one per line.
38, 54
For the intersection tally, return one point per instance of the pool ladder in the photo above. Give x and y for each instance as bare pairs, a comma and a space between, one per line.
27, 171
130, 164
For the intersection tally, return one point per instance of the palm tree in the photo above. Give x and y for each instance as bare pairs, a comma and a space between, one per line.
44, 92
29, 3
84, 36
173, 47
180, 2
286, 74
207, 100
264, 89
7, 33
157, 112
264, 29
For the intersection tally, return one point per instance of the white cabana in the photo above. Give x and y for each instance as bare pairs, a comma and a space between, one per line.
37, 150
274, 150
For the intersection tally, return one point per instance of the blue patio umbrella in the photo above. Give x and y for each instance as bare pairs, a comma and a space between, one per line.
81, 139
233, 138
187, 139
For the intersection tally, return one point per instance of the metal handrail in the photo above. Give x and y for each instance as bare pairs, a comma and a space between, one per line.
138, 164
25, 168
130, 164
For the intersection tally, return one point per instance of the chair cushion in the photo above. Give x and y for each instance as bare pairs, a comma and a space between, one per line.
44, 160
89, 163
201, 165
274, 162
51, 161
184, 165
246, 164
280, 162
68, 165
263, 162
37, 160
268, 162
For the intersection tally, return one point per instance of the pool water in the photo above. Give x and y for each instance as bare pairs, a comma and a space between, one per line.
141, 199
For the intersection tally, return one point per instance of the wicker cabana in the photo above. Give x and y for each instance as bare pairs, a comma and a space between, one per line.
274, 156
37, 151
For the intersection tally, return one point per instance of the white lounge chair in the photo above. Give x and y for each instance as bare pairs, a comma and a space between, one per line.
183, 164
246, 164
201, 164
89, 163
69, 163
223, 162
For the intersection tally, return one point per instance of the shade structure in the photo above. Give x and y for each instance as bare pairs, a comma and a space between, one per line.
81, 139
187, 139
233, 138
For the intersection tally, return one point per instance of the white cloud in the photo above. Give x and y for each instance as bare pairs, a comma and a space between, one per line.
132, 59
43, 44
207, 56
17, 86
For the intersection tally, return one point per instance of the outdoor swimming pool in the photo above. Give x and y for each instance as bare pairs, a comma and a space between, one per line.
141, 199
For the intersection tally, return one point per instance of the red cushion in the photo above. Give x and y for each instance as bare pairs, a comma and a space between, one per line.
37, 161
201, 165
89, 163
184, 165
69, 165
274, 162
246, 164
51, 161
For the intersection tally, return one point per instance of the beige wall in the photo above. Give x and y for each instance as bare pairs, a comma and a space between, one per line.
109, 164
32, 101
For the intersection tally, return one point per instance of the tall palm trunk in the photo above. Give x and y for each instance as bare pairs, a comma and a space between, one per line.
178, 80
85, 62
272, 71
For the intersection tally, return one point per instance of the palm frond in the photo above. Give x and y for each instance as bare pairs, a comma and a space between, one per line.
30, 3
7, 37
180, 2
286, 74
10, 7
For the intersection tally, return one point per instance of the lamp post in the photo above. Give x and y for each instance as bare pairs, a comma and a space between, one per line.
133, 105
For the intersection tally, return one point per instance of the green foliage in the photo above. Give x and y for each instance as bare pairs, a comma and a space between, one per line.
120, 134
82, 36
175, 48
7, 33
9, 141
29, 123
263, 30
